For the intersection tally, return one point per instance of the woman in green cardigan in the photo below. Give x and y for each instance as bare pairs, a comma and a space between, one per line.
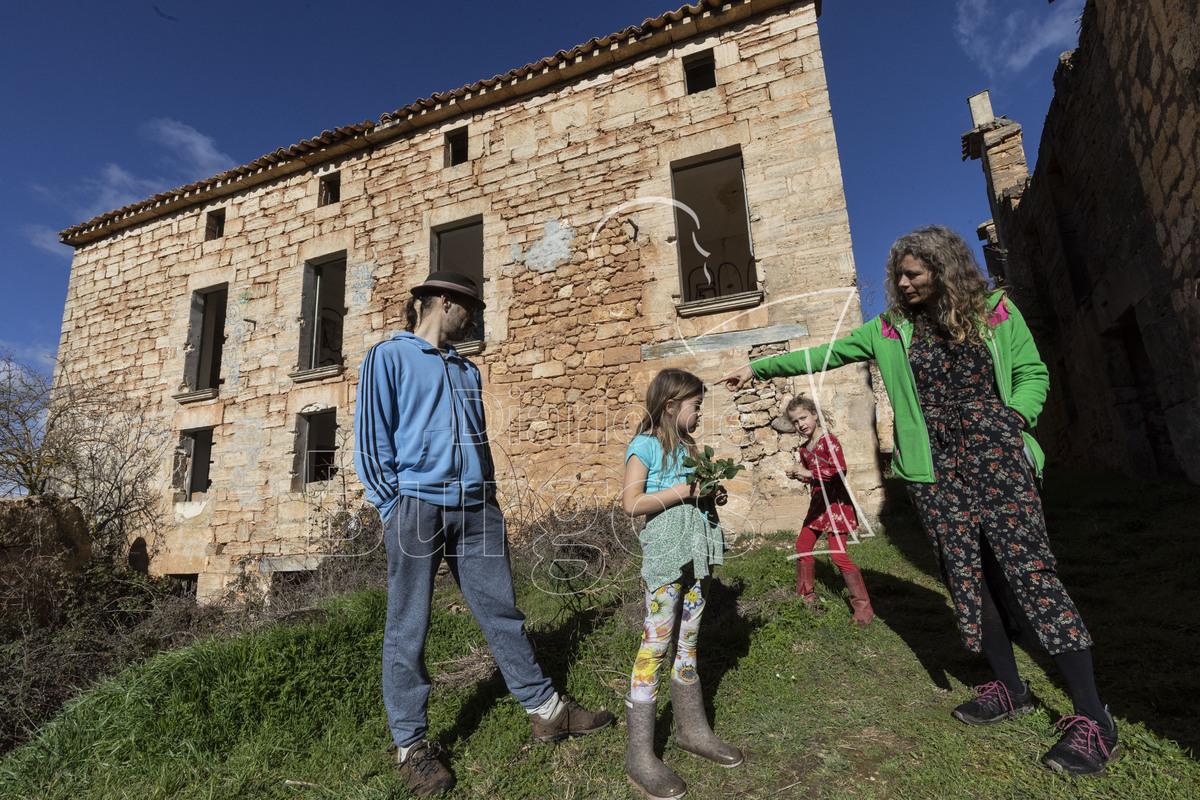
965, 381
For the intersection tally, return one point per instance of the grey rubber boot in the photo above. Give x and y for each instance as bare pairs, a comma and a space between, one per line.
642, 767
692, 733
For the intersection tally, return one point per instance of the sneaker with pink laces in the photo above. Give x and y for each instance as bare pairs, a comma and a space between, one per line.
1086, 745
993, 704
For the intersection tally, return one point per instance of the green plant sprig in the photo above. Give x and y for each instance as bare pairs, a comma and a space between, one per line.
709, 472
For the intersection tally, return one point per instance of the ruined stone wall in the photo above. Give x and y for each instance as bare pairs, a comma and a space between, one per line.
1101, 243
581, 280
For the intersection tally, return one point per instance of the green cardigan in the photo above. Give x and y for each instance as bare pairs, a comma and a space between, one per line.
1021, 378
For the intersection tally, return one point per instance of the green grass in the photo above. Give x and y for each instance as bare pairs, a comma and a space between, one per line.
823, 710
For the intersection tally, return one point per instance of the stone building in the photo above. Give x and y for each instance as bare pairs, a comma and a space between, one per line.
1101, 244
669, 195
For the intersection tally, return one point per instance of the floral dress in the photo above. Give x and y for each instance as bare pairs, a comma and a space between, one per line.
984, 496
831, 508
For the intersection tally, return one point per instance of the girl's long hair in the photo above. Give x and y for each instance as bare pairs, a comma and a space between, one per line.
809, 405
667, 385
960, 290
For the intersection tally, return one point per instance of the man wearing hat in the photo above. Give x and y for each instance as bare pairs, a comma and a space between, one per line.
421, 451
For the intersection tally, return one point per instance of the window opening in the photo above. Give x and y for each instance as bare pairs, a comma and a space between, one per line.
193, 464
456, 147
459, 246
206, 338
699, 72
187, 582
214, 224
330, 190
318, 450
715, 254
324, 299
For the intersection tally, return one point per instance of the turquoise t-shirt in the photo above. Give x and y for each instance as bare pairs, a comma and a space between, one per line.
650, 452
684, 532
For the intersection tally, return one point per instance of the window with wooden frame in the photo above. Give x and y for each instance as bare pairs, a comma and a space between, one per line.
214, 224
191, 475
323, 299
456, 147
316, 448
329, 190
206, 339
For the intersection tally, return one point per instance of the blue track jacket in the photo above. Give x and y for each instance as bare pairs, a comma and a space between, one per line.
419, 426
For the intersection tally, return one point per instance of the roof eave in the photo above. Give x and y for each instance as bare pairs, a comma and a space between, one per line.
699, 20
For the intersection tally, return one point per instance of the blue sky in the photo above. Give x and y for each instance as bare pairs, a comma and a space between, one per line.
113, 102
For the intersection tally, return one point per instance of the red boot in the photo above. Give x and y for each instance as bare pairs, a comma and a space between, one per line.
805, 580
859, 601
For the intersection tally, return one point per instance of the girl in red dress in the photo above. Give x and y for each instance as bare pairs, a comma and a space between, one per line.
831, 511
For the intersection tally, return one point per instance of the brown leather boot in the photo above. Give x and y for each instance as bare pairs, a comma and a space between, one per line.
805, 583
692, 733
572, 720
423, 771
859, 601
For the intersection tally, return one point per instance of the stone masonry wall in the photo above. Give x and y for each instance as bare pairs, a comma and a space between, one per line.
1102, 242
581, 281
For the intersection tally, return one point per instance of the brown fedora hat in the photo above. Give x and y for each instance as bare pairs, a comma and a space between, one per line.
447, 280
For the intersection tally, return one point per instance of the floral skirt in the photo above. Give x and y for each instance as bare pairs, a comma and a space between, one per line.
676, 536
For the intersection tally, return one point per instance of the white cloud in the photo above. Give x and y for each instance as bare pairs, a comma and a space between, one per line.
188, 156
113, 188
1003, 36
195, 152
40, 356
46, 240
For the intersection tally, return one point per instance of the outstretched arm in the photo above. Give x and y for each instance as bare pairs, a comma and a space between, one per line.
736, 379
859, 345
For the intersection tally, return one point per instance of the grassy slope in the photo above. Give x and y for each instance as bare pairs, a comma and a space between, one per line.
823, 710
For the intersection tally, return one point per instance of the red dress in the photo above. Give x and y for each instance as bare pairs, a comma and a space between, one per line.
831, 509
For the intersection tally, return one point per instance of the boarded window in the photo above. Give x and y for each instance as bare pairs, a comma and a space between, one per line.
713, 229
214, 224
193, 464
456, 147
329, 190
316, 450
324, 301
699, 72
206, 337
459, 246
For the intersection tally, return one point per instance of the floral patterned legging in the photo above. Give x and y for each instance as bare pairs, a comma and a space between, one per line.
661, 606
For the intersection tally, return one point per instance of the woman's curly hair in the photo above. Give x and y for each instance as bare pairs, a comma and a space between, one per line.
960, 290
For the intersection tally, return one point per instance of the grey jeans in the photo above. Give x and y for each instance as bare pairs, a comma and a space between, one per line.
418, 536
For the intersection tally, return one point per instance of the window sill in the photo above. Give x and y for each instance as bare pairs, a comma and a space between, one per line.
713, 305
471, 347
320, 373
194, 397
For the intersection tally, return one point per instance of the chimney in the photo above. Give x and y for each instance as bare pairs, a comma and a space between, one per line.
997, 142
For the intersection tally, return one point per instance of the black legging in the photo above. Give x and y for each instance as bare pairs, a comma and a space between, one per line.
997, 630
